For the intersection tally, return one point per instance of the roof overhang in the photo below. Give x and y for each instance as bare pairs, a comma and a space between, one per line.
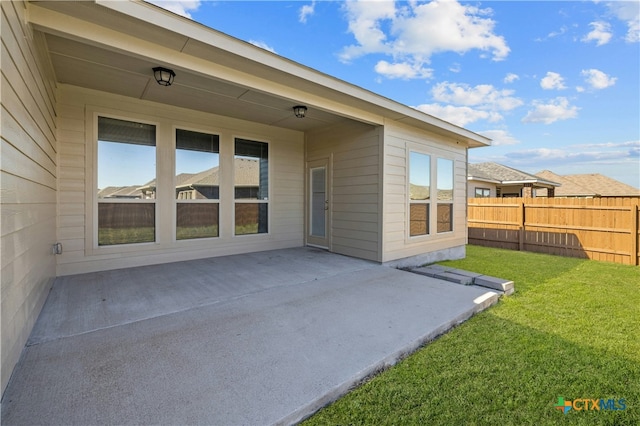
483, 179
538, 183
111, 46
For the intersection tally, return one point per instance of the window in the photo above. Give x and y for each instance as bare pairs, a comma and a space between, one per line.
445, 195
251, 187
419, 193
483, 193
197, 180
126, 182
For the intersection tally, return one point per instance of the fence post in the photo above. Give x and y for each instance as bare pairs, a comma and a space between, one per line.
634, 234
521, 230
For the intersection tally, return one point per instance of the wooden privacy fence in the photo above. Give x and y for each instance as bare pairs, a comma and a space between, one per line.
595, 228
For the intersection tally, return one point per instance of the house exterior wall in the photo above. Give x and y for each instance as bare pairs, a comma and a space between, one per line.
353, 150
28, 171
399, 140
472, 185
77, 216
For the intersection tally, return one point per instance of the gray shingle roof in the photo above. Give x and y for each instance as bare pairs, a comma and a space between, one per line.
503, 174
588, 185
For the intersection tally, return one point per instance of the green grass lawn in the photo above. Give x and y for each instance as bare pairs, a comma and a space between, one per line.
571, 330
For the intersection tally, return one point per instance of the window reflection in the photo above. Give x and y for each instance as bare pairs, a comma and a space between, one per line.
251, 182
445, 195
197, 184
126, 173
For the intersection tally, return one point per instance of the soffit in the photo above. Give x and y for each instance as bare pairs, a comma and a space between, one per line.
103, 69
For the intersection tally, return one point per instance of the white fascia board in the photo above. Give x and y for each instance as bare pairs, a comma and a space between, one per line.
480, 179
159, 17
533, 181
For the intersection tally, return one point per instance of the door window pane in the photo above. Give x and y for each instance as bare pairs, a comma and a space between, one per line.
318, 202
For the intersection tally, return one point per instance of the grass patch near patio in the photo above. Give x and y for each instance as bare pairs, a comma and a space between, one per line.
572, 329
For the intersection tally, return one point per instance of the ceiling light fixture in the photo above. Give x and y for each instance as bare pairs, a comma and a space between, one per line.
164, 76
300, 111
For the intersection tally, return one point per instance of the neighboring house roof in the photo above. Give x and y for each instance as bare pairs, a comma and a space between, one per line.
246, 173
132, 191
588, 185
504, 175
116, 43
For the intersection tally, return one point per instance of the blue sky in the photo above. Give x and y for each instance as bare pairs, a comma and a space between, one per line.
555, 84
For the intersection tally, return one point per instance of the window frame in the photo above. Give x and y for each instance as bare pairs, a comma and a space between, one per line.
482, 189
91, 181
236, 201
453, 191
426, 202
177, 201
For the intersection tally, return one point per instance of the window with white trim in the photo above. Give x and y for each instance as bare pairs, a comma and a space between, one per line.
197, 183
483, 192
444, 169
419, 193
251, 187
126, 182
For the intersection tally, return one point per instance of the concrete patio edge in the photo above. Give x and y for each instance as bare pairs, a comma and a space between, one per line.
368, 373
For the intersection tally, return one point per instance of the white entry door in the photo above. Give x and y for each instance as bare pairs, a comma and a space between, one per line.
318, 208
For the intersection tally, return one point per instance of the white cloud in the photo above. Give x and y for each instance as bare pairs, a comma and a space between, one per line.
579, 89
412, 32
552, 81
511, 77
180, 7
554, 110
629, 12
306, 11
484, 96
600, 33
262, 45
404, 70
455, 67
458, 115
597, 79
500, 137
549, 155
632, 144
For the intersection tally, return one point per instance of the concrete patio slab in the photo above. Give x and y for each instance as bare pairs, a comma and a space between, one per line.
271, 346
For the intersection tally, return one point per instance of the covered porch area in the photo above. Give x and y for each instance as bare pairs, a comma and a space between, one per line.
259, 338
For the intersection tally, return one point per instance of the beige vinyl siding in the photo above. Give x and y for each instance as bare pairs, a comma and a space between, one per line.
28, 179
399, 140
354, 153
77, 213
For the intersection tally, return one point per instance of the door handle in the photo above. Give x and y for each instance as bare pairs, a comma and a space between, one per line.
326, 205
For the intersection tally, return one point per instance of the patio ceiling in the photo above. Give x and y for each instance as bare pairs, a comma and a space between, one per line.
100, 68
